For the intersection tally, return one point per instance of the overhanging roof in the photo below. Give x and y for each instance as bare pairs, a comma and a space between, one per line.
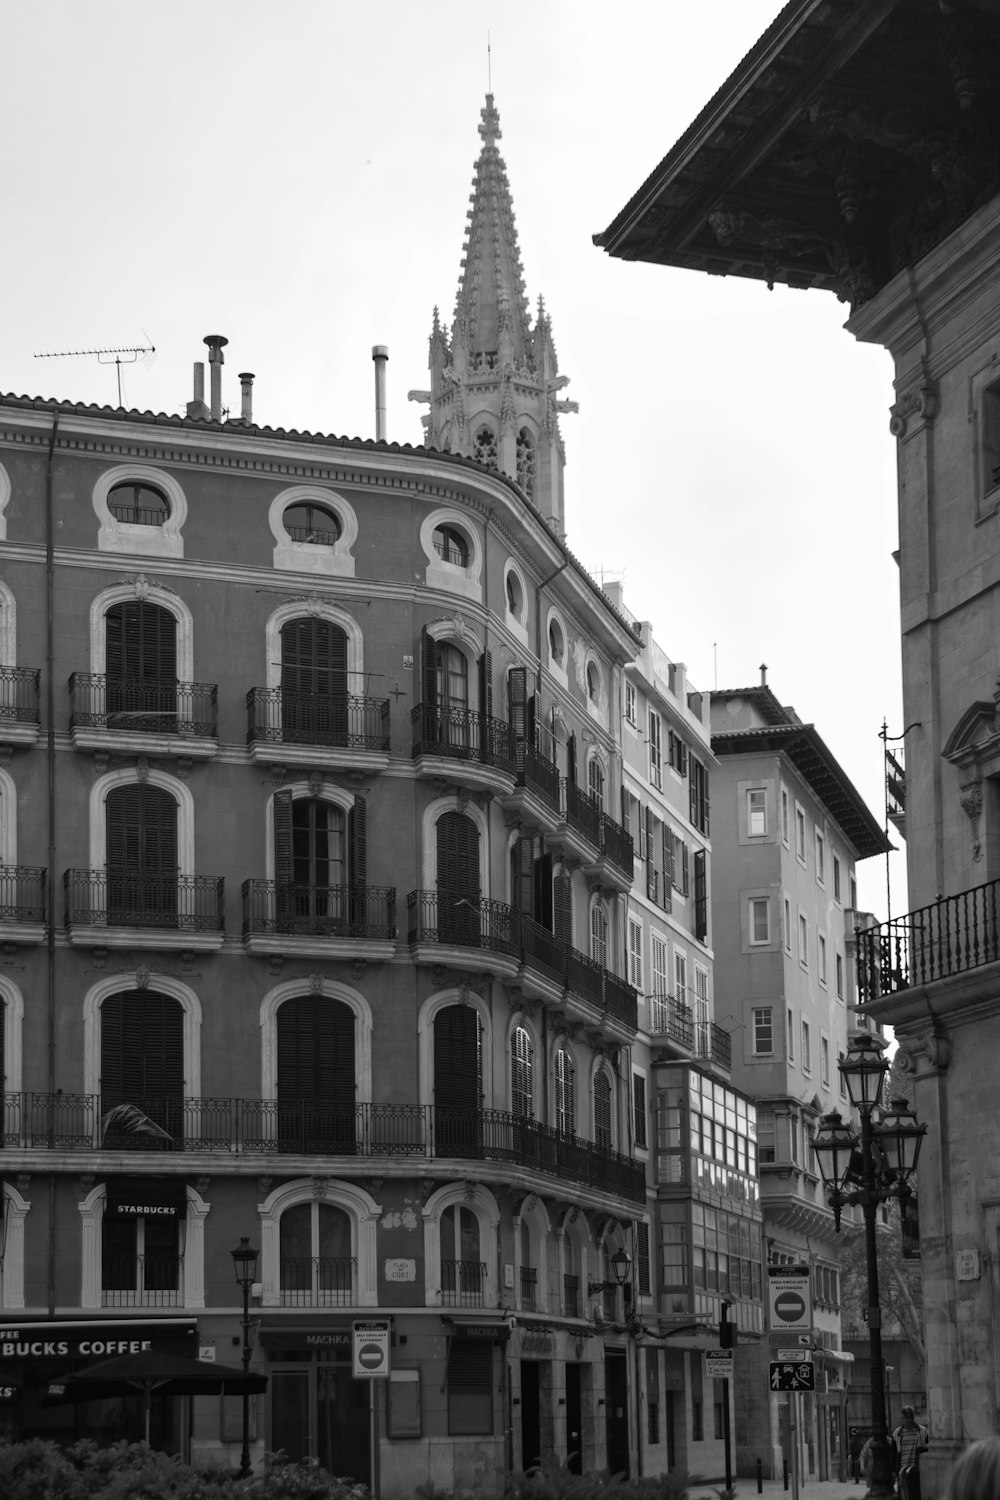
854, 136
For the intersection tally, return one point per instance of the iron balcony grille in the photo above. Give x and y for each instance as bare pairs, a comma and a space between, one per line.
581, 811
672, 1018
135, 706
537, 774
949, 937
316, 1280
344, 721
529, 1288
22, 893
462, 734
143, 1281
20, 695
334, 911
466, 921
719, 1045
463, 1283
617, 845
182, 903
253, 1127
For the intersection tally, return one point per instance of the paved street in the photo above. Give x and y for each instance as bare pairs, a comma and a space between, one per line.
812, 1489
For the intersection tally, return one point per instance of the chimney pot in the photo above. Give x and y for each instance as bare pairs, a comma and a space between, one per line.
216, 343
246, 387
380, 356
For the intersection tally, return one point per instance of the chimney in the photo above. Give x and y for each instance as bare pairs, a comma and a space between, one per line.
246, 387
380, 356
216, 343
197, 407
763, 674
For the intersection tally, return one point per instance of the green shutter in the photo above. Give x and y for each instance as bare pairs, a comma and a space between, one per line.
357, 843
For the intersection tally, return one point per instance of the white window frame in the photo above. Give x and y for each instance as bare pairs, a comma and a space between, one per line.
659, 980
803, 941
757, 1022
680, 975
800, 833
806, 1044
655, 748
821, 959
754, 906
820, 850
635, 954
631, 705
127, 537
824, 1060
756, 810
332, 560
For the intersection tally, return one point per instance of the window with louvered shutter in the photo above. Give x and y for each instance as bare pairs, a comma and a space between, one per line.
700, 895
357, 843
141, 856
314, 682
642, 1258
142, 1066
3, 1034
457, 879
470, 1387
517, 701
522, 1055
562, 908
602, 1111
565, 1079
140, 643
458, 1080
599, 936
571, 759
316, 1073
522, 886
486, 684
595, 780
639, 1108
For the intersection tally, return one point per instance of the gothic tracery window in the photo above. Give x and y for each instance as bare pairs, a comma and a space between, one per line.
526, 463
484, 448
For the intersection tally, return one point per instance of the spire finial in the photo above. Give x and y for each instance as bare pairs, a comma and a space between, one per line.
490, 127
489, 65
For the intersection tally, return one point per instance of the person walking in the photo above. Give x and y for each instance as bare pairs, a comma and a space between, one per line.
910, 1439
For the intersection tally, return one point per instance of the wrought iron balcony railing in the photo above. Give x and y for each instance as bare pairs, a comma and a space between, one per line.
536, 773
334, 911
277, 716
462, 734
672, 1018
20, 695
183, 903
142, 1281
316, 1280
952, 936
714, 1043
474, 922
135, 706
22, 893
617, 844
529, 1288
463, 1283
581, 811
254, 1127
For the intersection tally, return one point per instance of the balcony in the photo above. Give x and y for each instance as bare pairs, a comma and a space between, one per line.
317, 729
144, 911
491, 936
22, 903
671, 1020
142, 717
143, 1281
316, 1280
535, 796
463, 746
319, 921
20, 697
463, 1283
714, 1044
578, 835
615, 867
953, 936
264, 1130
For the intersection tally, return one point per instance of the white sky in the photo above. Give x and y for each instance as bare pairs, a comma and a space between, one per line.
296, 177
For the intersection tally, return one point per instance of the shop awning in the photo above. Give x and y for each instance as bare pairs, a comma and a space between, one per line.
477, 1328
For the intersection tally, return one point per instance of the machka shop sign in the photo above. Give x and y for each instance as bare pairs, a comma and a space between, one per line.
97, 1340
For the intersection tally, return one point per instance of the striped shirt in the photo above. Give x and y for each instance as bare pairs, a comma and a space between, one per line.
909, 1441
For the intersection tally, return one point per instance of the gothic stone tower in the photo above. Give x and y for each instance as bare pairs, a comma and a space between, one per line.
494, 382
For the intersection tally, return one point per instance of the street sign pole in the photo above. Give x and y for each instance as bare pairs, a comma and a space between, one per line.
725, 1429
793, 1439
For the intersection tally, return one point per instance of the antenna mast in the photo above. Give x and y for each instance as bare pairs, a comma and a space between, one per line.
105, 357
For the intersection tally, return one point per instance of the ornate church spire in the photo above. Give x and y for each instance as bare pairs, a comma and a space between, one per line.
494, 382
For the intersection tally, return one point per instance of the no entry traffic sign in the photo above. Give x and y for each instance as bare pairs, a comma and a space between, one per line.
789, 1298
370, 1343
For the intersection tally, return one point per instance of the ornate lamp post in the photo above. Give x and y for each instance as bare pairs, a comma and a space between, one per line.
869, 1168
245, 1262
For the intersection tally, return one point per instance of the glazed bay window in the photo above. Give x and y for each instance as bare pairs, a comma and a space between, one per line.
760, 920
763, 1031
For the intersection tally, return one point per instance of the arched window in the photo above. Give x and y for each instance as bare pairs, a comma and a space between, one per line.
308, 522
484, 447
138, 504
316, 1076
593, 683
314, 698
595, 780
458, 887
565, 1080
515, 594
315, 1265
458, 1080
526, 463
603, 1135
522, 1054
599, 935
462, 1268
142, 1072
141, 667
557, 646
451, 546
141, 856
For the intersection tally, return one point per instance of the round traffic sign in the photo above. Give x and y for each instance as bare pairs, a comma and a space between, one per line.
790, 1307
371, 1356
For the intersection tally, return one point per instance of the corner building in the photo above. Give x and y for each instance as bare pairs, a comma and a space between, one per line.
313, 916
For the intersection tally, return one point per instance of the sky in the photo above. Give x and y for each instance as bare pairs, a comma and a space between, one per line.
296, 176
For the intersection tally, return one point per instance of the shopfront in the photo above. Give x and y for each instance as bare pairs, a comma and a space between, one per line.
317, 1410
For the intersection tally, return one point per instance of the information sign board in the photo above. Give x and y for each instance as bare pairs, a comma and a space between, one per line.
789, 1299
719, 1364
789, 1375
370, 1348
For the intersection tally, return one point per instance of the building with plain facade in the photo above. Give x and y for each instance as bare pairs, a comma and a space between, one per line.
855, 150
784, 904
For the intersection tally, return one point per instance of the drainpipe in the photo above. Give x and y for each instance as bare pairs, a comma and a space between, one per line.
50, 751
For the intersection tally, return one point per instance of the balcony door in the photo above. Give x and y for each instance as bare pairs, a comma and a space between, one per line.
141, 667
142, 1072
316, 1076
141, 827
458, 889
319, 866
314, 682
458, 1081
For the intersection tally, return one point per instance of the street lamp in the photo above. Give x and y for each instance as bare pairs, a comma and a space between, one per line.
245, 1262
869, 1168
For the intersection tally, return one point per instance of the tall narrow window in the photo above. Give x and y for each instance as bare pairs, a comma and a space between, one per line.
316, 1267
806, 1048
756, 812
821, 957
603, 1136
314, 703
522, 1054
680, 977
484, 448
760, 919
141, 667
639, 1109
595, 780
458, 1080
526, 463
565, 1079
142, 1072
836, 878
462, 1268
599, 936
316, 1075
655, 748
763, 1030
800, 835
824, 1061
661, 982
784, 817
141, 830
698, 782
803, 942
635, 954
820, 858
630, 708
458, 917
790, 1035
840, 976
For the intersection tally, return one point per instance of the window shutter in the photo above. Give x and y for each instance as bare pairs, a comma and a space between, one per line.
639, 1108
282, 805
428, 661
651, 891
457, 1064
571, 759
524, 876
142, 1049
517, 700
316, 1052
486, 687
641, 811
563, 908
642, 1258
668, 868
357, 840
700, 896
530, 721
141, 824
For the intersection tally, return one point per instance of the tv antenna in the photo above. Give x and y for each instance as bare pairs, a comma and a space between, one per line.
116, 357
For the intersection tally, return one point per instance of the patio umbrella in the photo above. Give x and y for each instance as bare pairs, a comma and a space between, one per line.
149, 1371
